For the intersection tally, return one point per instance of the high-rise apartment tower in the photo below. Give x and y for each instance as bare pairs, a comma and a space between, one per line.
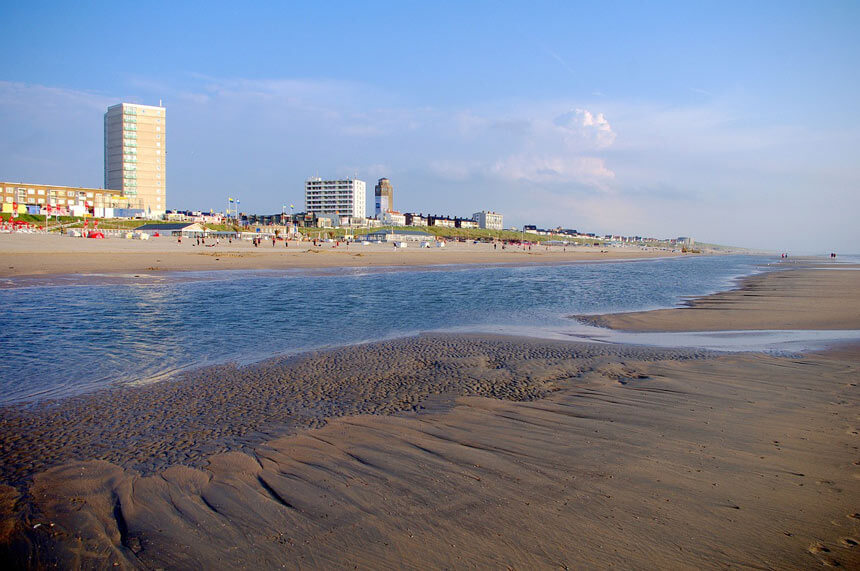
135, 155
345, 197
384, 193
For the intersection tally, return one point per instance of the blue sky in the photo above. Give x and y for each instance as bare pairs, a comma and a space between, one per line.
735, 123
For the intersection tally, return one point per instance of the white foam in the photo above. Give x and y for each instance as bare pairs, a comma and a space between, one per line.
763, 340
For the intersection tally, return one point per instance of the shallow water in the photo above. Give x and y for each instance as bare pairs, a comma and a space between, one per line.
76, 334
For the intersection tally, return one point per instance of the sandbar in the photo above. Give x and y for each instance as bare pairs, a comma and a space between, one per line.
812, 296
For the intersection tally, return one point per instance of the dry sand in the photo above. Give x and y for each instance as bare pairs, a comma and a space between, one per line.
445, 451
37, 254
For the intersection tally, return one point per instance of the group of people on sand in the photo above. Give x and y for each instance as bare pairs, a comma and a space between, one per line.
201, 241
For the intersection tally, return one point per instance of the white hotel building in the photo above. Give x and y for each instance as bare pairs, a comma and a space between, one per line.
488, 219
346, 197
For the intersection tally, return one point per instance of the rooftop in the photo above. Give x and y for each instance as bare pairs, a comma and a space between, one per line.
167, 227
401, 232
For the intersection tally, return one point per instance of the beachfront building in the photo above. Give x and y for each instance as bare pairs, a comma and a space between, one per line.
336, 198
136, 155
185, 229
28, 198
413, 219
443, 221
392, 218
488, 220
384, 195
389, 235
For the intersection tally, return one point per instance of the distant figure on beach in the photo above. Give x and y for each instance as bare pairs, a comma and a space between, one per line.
274, 242
833, 255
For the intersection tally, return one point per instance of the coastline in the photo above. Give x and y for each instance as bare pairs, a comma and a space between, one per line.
451, 451
811, 296
35, 255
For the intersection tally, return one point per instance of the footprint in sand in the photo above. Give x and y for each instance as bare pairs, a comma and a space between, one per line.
849, 542
822, 553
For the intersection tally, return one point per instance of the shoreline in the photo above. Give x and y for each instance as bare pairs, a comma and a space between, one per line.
159, 275
405, 450
39, 255
809, 296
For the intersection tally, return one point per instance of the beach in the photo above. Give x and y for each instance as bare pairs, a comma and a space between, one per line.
463, 450
812, 296
36, 254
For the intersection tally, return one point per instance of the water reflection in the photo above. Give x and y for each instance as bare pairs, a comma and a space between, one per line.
61, 340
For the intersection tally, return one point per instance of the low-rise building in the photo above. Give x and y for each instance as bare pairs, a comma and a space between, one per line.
388, 235
185, 229
392, 218
413, 219
442, 221
465, 223
17, 196
489, 220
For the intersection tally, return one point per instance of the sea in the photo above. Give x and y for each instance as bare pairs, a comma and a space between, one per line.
68, 335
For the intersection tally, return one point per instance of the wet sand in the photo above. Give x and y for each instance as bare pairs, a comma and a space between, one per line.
36, 254
812, 296
449, 451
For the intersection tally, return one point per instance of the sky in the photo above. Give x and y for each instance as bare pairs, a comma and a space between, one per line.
732, 122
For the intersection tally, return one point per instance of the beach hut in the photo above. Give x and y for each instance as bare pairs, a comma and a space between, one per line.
184, 229
388, 235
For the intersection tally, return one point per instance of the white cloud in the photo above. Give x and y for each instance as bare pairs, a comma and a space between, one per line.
42, 100
456, 169
584, 124
587, 171
622, 167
